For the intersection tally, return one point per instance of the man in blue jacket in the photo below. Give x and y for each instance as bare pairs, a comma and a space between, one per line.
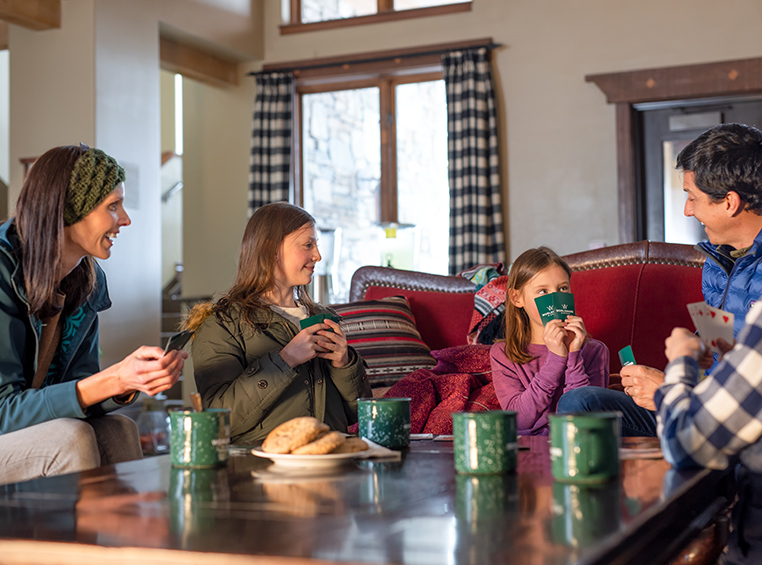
722, 178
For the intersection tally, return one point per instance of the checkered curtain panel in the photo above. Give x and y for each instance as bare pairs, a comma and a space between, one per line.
269, 174
476, 213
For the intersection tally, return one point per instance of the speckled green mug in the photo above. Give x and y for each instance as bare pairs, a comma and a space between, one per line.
484, 442
199, 439
385, 421
584, 446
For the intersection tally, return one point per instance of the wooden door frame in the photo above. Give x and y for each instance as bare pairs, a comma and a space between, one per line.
625, 89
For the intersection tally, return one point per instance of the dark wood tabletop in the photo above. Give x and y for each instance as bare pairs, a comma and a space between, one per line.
416, 510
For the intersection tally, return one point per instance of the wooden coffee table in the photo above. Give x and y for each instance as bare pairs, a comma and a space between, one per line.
413, 511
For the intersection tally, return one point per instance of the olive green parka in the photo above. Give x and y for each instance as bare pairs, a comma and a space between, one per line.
240, 368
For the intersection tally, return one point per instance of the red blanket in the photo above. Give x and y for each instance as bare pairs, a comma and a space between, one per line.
461, 381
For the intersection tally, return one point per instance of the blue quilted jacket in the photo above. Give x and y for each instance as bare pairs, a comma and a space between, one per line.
734, 287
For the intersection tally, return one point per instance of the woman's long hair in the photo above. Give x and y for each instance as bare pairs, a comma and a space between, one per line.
39, 220
262, 240
518, 331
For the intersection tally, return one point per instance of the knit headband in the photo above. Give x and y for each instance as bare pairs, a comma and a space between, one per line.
94, 177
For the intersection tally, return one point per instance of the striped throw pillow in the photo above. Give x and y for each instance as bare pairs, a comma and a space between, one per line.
384, 333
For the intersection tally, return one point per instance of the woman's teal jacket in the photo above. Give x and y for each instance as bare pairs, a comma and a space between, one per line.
22, 406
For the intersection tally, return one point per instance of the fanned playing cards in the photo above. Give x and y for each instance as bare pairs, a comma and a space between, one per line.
555, 306
712, 324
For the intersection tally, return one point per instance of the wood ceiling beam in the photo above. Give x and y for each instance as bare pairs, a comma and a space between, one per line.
33, 14
193, 62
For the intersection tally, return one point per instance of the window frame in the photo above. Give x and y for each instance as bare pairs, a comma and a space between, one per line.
388, 130
385, 13
359, 70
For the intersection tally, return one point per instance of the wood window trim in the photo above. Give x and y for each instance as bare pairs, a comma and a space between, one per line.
364, 70
373, 63
625, 89
385, 15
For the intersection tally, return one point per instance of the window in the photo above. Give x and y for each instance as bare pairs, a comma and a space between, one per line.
307, 15
374, 174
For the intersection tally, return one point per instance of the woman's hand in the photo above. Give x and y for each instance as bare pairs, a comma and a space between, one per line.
304, 346
146, 369
149, 370
335, 344
575, 333
554, 335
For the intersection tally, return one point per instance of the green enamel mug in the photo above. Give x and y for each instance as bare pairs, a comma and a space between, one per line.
385, 421
199, 439
485, 442
584, 446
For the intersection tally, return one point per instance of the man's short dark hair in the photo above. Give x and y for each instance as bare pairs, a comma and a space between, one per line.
727, 158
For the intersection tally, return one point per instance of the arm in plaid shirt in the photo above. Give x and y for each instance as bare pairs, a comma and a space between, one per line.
707, 424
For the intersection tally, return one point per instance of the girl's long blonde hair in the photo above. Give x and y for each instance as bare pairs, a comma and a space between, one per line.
518, 332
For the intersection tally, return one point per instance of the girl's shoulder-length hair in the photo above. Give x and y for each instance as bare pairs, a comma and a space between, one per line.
518, 333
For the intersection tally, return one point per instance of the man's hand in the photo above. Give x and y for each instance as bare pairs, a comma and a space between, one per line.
640, 382
682, 343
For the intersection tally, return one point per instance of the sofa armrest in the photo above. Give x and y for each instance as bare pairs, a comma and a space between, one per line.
368, 276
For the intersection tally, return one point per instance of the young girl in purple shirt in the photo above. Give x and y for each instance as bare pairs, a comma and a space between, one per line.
536, 364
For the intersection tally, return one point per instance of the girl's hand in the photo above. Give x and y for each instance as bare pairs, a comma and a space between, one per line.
335, 344
554, 336
575, 333
304, 346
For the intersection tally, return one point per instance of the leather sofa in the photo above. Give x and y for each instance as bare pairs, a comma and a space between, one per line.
629, 294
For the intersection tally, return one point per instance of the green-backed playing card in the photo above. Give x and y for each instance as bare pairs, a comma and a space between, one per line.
626, 356
317, 319
564, 304
555, 306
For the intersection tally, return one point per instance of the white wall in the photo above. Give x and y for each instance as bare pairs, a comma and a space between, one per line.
127, 127
52, 92
217, 140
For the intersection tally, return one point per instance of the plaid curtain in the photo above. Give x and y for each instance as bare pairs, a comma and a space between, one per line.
476, 213
269, 175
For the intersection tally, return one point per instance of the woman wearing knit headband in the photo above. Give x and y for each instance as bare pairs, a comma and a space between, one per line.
54, 399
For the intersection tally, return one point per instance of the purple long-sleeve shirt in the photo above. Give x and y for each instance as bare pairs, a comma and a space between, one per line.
532, 389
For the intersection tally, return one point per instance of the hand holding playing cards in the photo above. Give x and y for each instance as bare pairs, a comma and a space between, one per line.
575, 333
640, 382
682, 343
554, 335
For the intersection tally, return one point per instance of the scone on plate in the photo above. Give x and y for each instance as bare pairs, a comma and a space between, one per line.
351, 445
293, 434
323, 444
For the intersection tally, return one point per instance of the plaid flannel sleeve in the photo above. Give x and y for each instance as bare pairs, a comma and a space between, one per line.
707, 424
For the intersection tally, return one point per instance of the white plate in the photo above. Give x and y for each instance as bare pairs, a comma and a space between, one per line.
291, 460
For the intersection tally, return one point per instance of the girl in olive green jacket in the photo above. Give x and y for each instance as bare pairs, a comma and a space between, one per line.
249, 354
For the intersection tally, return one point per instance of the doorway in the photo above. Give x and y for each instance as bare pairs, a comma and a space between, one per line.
666, 128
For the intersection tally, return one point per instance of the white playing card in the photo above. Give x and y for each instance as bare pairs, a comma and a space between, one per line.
711, 324
717, 324
698, 310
